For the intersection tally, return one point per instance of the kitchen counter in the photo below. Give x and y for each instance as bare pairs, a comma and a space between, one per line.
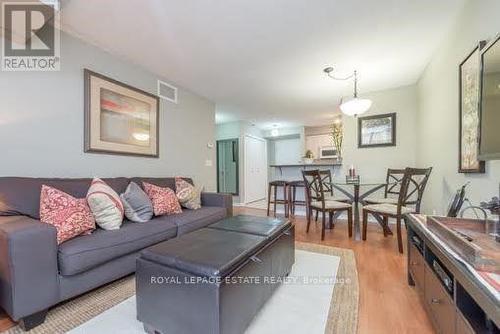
314, 164
293, 171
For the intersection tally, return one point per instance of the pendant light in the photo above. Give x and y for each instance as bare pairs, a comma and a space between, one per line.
354, 106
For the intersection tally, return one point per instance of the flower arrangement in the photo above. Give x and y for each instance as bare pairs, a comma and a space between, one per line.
338, 137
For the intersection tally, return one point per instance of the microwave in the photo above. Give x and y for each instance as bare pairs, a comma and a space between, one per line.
328, 152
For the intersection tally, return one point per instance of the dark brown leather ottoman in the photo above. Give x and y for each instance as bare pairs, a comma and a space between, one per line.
213, 280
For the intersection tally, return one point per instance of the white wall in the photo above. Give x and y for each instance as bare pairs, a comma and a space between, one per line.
41, 123
287, 151
438, 112
227, 131
316, 142
372, 163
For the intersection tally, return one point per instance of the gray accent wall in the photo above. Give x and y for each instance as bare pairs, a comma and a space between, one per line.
42, 130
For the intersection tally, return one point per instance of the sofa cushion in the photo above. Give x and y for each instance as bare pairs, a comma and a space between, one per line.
165, 182
138, 206
70, 216
164, 200
106, 205
189, 196
21, 195
86, 252
191, 220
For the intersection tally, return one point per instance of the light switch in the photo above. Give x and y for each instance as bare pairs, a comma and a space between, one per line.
208, 163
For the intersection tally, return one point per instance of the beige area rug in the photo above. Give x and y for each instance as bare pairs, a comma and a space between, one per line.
344, 307
342, 315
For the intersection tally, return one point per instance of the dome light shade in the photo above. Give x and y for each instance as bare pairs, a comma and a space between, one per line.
355, 106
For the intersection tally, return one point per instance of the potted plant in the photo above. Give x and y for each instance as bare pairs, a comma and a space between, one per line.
308, 157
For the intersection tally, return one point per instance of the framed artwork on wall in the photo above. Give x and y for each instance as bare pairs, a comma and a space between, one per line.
469, 121
119, 119
377, 130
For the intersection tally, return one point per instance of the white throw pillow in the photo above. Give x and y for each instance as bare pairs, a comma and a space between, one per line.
105, 205
188, 195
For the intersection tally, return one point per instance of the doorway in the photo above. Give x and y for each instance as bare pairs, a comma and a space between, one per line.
255, 171
227, 166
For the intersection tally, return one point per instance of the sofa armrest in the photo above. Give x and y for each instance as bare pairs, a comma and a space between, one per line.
28, 266
218, 199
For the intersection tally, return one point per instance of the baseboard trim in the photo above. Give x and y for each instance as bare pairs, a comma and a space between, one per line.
302, 213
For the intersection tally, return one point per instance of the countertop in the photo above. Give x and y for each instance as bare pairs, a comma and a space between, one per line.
319, 164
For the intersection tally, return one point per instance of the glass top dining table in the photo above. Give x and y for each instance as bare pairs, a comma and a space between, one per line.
357, 192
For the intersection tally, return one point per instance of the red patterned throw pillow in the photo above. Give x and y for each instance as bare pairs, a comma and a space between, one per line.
70, 216
164, 200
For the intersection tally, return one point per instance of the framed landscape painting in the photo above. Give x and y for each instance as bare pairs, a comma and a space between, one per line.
377, 130
469, 76
119, 119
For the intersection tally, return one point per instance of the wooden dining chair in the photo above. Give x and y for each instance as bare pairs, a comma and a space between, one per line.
326, 179
411, 192
392, 188
316, 200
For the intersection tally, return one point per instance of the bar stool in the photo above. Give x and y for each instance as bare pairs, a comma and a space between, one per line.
292, 195
273, 188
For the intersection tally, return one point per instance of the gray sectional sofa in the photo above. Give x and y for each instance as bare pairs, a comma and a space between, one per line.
36, 273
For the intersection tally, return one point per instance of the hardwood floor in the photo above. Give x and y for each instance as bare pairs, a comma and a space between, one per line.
5, 322
387, 303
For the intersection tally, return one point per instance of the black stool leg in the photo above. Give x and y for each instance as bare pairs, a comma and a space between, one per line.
287, 201
275, 199
268, 199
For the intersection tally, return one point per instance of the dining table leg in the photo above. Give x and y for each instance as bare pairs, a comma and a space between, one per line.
358, 199
357, 225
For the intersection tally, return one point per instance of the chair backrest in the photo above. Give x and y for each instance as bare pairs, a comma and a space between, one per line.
413, 186
314, 186
393, 181
326, 179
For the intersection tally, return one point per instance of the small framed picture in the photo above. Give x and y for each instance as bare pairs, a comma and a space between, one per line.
377, 130
119, 119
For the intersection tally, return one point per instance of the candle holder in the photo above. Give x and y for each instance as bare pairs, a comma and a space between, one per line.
352, 179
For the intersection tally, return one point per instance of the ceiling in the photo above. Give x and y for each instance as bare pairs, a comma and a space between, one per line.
262, 60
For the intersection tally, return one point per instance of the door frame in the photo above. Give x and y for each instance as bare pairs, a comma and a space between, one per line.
237, 193
245, 175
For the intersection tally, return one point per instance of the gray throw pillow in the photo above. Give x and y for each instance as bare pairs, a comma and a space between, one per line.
138, 207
